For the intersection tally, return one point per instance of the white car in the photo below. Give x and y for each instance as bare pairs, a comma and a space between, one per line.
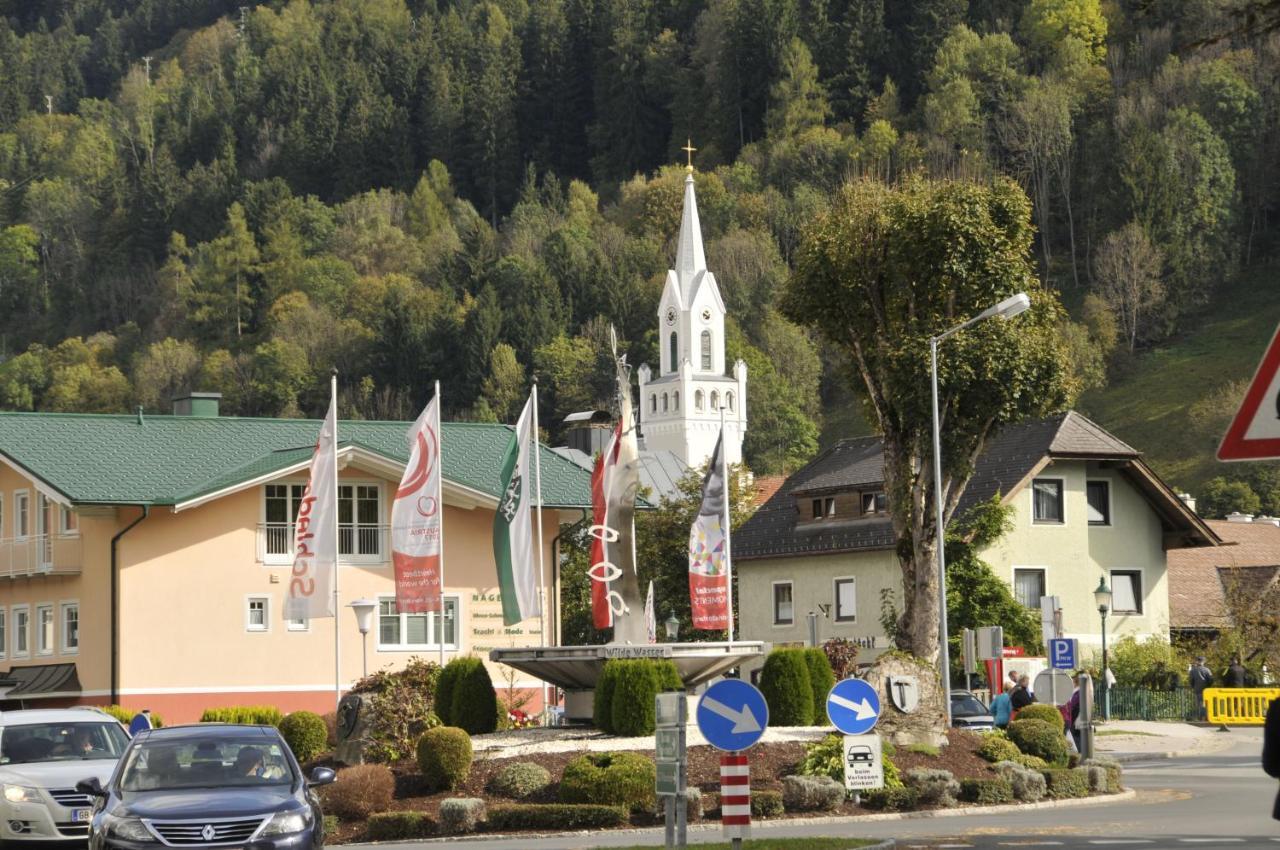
43, 754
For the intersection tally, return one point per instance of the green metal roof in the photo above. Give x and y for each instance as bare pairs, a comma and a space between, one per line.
167, 460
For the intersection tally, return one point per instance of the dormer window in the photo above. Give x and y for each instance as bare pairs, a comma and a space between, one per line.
874, 503
824, 507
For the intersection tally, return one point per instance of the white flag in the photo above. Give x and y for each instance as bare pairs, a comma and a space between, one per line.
650, 619
415, 519
315, 540
513, 529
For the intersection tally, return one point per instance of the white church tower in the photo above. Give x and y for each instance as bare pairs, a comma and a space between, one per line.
680, 406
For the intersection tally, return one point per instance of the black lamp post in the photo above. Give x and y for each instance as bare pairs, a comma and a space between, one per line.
672, 625
1102, 596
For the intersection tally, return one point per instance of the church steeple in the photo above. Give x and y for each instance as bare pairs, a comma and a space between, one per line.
690, 258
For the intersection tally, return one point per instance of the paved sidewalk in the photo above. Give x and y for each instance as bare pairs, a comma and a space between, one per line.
1154, 739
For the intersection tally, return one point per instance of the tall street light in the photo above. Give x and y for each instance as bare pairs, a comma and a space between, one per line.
1102, 596
363, 609
1006, 309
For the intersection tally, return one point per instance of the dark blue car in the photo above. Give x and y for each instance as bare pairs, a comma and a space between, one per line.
208, 785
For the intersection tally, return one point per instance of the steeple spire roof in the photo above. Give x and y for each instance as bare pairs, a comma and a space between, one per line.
690, 258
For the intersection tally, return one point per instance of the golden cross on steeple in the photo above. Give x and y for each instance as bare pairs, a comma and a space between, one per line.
689, 149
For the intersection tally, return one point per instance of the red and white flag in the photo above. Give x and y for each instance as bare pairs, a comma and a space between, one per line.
602, 570
315, 540
416, 519
708, 566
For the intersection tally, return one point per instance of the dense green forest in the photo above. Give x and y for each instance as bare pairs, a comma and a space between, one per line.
239, 196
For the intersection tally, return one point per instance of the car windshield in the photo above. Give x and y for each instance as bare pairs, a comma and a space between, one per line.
40, 742
205, 763
966, 705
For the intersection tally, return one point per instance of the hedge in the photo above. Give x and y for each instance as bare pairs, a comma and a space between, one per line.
1038, 738
766, 804
1048, 713
602, 708
306, 734
632, 706
821, 680
473, 703
935, 787
444, 756
126, 715
1066, 783
989, 792
445, 684
244, 715
399, 826
555, 816
891, 799
610, 779
787, 689
1113, 769
461, 814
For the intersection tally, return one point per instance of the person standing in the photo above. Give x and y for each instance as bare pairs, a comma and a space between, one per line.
1271, 749
1021, 696
1072, 714
1236, 674
1002, 706
1200, 677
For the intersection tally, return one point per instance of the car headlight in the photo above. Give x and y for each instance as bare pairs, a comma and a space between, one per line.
130, 829
283, 823
21, 793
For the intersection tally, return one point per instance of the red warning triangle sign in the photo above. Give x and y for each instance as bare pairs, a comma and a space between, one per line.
1255, 432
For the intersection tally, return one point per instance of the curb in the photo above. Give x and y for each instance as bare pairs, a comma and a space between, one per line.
844, 820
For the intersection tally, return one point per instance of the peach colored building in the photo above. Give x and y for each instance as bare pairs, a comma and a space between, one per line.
144, 559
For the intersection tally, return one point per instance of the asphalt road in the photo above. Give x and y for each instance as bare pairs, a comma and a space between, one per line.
1218, 801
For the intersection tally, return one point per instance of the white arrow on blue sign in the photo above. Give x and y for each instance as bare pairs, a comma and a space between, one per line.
732, 715
853, 707
1062, 653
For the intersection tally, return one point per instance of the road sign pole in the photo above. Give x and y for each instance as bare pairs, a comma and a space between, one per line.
672, 763
735, 797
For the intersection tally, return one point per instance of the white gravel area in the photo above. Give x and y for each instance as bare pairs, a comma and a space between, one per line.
560, 739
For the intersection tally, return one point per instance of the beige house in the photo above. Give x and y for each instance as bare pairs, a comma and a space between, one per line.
144, 559
1086, 506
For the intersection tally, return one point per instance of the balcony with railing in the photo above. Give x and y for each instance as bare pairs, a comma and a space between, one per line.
357, 543
41, 554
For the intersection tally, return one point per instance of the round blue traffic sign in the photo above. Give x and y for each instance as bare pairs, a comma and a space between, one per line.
732, 715
853, 706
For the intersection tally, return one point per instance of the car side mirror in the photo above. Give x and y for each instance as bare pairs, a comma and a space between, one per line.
321, 776
90, 786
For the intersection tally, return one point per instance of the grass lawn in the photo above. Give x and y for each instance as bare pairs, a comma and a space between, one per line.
781, 844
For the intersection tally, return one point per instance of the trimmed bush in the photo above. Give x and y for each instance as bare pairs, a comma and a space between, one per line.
444, 757
602, 708
1097, 778
446, 682
1038, 738
935, 787
633, 699
306, 735
610, 779
1113, 771
1028, 785
692, 804
520, 780
473, 703
811, 793
461, 814
1048, 713
1031, 762
988, 792
244, 715
766, 804
996, 746
359, 791
126, 715
821, 679
1065, 783
784, 681
554, 816
668, 675
399, 826
891, 799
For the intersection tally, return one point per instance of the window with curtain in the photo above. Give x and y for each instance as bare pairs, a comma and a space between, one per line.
1126, 591
255, 617
1099, 497
846, 600
417, 631
783, 610
1047, 498
1028, 587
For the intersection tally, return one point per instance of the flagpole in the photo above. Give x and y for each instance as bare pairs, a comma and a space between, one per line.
728, 490
337, 559
537, 483
440, 507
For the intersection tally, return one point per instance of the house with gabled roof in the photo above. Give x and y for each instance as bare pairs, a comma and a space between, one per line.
1085, 506
144, 559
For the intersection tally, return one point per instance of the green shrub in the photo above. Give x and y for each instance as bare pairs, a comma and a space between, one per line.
1048, 713
1031, 762
126, 715
784, 681
996, 746
934, 787
400, 708
446, 682
891, 799
473, 703
444, 756
926, 750
668, 675
399, 826
811, 793
633, 698
306, 735
519, 780
1028, 785
461, 814
330, 824
1038, 738
988, 792
824, 758
602, 708
244, 715
554, 816
610, 779
766, 804
692, 804
821, 680
359, 791
1113, 771
1066, 783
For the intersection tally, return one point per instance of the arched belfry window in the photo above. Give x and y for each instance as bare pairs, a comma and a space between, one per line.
665, 401
675, 400
715, 400
697, 399
675, 353
706, 350
653, 402
728, 399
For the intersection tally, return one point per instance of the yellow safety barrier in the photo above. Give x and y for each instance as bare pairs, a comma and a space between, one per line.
1239, 706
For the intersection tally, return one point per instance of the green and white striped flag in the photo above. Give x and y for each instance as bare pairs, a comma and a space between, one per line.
513, 529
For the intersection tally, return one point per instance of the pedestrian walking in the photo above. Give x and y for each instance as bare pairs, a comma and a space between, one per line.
1271, 749
1236, 674
1200, 677
1002, 706
1072, 714
1021, 696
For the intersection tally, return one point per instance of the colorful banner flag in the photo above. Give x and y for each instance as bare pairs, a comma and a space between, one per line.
708, 577
513, 529
650, 619
603, 536
315, 540
416, 518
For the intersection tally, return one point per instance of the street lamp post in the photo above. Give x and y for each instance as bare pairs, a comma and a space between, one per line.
1006, 309
1102, 596
672, 625
363, 609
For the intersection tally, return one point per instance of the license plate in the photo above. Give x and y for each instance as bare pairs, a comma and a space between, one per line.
81, 815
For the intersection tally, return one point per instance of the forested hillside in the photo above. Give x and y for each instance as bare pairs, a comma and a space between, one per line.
239, 196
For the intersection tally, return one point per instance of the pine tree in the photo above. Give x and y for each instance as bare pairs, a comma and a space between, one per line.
797, 100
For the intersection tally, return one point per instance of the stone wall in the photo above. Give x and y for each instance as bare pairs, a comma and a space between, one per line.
925, 723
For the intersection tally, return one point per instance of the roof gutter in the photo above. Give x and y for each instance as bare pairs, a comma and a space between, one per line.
115, 605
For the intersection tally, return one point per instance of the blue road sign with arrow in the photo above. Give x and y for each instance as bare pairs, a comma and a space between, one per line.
853, 707
732, 715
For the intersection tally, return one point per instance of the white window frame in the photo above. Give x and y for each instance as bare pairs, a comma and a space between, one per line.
41, 649
1044, 582
404, 629
1062, 501
1139, 598
64, 608
299, 625
835, 599
249, 625
1111, 503
64, 513
24, 633
773, 605
4, 632
21, 514
279, 559
872, 494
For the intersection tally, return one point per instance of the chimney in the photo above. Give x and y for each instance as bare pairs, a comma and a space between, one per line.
1236, 516
201, 405
1188, 500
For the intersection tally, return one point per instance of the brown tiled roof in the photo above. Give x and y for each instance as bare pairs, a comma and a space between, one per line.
1197, 576
766, 486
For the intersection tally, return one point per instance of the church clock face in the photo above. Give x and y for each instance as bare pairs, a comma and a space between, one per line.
671, 315
706, 315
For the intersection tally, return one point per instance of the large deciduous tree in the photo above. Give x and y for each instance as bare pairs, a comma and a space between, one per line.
884, 270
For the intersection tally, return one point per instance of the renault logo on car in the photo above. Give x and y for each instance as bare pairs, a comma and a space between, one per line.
208, 832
